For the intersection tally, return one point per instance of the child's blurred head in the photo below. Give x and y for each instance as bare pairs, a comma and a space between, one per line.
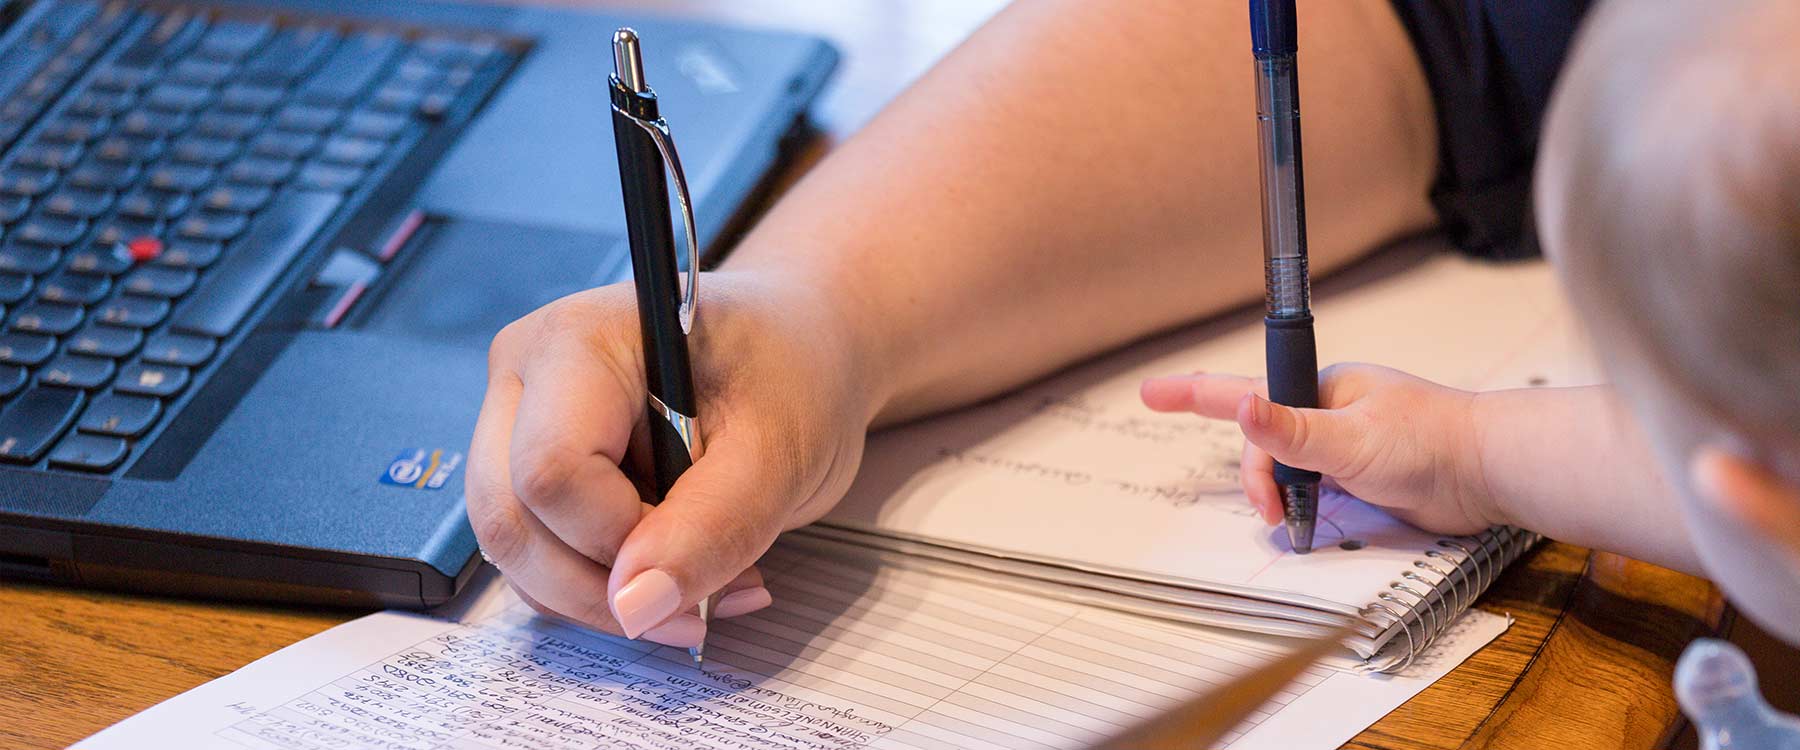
1669, 195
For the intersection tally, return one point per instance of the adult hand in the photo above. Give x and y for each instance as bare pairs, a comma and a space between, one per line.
557, 467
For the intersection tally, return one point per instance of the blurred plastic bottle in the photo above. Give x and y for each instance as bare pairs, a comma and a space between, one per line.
1717, 689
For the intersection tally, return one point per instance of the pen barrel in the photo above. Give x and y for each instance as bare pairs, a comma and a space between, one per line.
1293, 367
1283, 186
669, 457
651, 235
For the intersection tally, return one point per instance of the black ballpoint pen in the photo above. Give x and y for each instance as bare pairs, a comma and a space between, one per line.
1293, 361
666, 309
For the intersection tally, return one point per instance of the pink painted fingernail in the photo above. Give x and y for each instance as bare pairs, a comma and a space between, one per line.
743, 602
685, 631
647, 600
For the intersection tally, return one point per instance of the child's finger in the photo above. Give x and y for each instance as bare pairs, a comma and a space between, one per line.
1212, 396
1256, 472
1318, 440
1755, 496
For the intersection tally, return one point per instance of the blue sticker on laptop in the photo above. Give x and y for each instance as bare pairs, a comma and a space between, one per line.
421, 469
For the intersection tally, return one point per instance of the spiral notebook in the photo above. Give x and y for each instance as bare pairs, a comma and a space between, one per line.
1071, 487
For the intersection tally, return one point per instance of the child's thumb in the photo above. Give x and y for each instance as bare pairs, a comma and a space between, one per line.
1318, 440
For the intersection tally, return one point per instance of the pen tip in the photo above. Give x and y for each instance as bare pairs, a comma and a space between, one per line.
1300, 536
699, 659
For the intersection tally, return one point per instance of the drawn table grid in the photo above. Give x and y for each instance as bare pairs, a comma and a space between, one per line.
849, 657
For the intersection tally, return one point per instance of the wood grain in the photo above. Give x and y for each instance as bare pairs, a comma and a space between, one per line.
1585, 664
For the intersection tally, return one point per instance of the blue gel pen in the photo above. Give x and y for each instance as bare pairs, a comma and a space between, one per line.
1293, 362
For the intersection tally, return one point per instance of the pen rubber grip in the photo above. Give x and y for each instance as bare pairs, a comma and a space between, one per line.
1293, 367
668, 454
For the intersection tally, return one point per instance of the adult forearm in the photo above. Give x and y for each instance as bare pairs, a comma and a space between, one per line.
1081, 174
1573, 464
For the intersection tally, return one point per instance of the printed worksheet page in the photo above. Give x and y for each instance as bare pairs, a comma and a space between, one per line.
853, 654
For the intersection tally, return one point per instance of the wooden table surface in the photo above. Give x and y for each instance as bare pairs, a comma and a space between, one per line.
1586, 663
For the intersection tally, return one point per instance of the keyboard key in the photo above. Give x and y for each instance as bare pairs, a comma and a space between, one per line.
328, 177
148, 203
233, 39
170, 37
240, 280
397, 98
53, 231
12, 379
103, 174
104, 261
283, 144
74, 289
78, 203
372, 124
199, 72
116, 78
211, 225
73, 129
89, 453
105, 341
34, 420
120, 415
174, 97
195, 149
251, 170
129, 149
47, 155
247, 98
132, 312
146, 379
433, 106
31, 260
239, 198
13, 287
186, 178
159, 281
46, 317
306, 118
153, 124
232, 126
98, 102
350, 68
190, 254
26, 181
348, 151
75, 371
124, 229
13, 208
290, 55
175, 349
25, 349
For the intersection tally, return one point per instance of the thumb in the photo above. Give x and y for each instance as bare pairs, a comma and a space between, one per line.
721, 515
1318, 440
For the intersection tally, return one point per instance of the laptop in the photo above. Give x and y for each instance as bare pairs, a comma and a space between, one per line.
252, 253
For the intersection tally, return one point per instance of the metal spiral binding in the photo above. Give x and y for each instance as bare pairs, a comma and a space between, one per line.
1465, 567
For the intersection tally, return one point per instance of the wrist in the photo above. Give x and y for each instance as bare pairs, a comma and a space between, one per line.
1481, 500
839, 342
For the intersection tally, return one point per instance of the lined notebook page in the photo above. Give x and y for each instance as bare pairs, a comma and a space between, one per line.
852, 655
1076, 471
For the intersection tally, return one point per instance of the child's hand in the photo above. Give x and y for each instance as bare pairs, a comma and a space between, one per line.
1392, 439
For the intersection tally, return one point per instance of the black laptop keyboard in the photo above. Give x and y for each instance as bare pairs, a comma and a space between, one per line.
160, 171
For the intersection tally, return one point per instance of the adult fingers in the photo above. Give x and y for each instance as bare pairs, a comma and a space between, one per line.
720, 516
1256, 472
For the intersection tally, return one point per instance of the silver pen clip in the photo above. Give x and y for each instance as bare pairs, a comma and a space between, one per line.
629, 66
